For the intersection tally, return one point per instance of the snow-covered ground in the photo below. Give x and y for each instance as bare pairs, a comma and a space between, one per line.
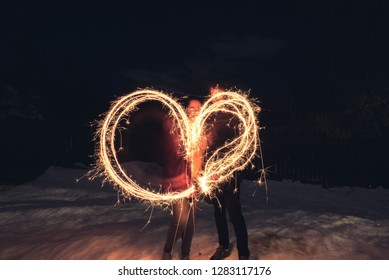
55, 217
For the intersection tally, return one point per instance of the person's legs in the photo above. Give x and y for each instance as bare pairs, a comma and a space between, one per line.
187, 223
175, 230
221, 221
182, 226
224, 249
233, 206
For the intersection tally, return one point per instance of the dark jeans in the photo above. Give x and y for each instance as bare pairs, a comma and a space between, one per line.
228, 200
182, 226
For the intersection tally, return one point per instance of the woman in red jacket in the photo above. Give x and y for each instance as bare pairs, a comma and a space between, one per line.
179, 174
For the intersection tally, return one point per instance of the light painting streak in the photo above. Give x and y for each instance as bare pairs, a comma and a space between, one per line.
234, 155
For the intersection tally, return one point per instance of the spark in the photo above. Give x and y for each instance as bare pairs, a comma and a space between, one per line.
220, 165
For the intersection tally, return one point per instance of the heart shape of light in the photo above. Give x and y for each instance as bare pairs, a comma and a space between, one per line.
219, 167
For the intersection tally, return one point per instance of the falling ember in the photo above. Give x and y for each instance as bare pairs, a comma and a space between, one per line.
220, 165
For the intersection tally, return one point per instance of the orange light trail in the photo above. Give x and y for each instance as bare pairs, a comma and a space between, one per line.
219, 167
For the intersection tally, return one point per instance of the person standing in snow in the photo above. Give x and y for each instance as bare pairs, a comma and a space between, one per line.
227, 198
179, 174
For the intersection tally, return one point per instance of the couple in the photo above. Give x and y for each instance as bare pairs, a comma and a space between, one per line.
226, 199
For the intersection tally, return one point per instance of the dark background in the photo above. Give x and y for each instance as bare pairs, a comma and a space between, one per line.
319, 68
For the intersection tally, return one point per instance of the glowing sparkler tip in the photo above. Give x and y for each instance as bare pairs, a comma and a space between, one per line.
203, 185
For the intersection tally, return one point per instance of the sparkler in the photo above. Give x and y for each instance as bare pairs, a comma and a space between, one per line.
234, 155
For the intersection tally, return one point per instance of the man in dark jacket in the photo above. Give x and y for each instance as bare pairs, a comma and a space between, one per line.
227, 199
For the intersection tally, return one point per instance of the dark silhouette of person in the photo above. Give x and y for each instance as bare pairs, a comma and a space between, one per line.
227, 197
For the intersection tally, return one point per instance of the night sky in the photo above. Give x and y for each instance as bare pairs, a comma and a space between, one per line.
321, 65
77, 58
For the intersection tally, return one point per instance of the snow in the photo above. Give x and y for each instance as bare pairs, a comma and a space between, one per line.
58, 216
